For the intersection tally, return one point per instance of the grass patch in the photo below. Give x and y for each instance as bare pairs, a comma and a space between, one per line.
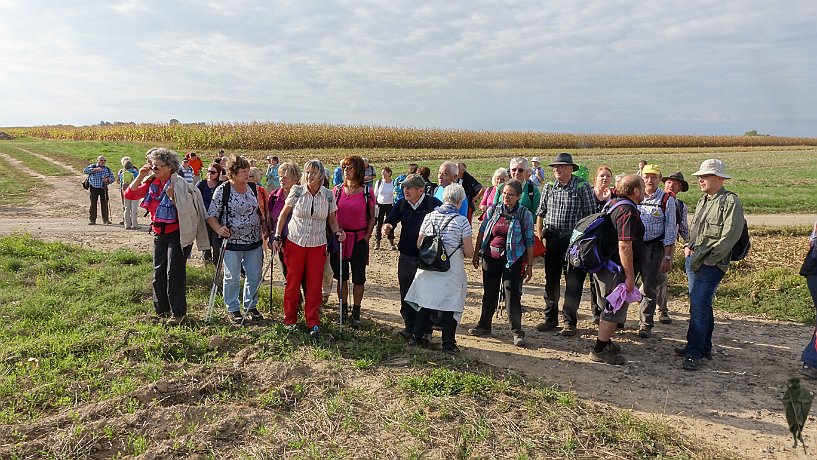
80, 154
16, 187
34, 162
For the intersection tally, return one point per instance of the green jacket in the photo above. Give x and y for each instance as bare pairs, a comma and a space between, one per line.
715, 228
525, 199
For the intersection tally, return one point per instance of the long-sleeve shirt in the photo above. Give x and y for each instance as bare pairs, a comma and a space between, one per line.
715, 228
411, 217
520, 231
683, 225
562, 206
529, 199
659, 222
95, 177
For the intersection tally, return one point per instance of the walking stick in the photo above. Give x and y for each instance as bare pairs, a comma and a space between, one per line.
271, 259
214, 289
107, 203
122, 197
340, 282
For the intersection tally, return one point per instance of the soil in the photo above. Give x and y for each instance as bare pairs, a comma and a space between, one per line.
733, 402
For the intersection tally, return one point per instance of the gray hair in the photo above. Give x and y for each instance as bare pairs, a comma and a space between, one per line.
500, 172
454, 194
289, 169
515, 185
165, 156
518, 161
316, 165
452, 168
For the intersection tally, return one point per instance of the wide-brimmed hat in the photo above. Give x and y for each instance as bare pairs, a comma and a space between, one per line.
413, 180
714, 167
536, 159
678, 176
651, 169
564, 159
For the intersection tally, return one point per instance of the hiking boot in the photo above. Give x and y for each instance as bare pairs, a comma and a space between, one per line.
106, 222
91, 223
645, 332
691, 364
479, 332
451, 349
682, 352
664, 318
519, 340
547, 326
175, 321
255, 315
404, 333
608, 356
808, 372
315, 332
356, 323
235, 316
614, 348
377, 244
569, 330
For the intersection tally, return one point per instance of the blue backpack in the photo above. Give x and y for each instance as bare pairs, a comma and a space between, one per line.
398, 190
594, 239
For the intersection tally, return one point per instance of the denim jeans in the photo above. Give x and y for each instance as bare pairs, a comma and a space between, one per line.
252, 261
690, 273
701, 317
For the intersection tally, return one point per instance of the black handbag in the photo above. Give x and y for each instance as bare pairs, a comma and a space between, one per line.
433, 255
809, 267
86, 184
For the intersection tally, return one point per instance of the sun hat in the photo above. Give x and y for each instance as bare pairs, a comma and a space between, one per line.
678, 176
651, 169
413, 180
536, 159
713, 167
564, 159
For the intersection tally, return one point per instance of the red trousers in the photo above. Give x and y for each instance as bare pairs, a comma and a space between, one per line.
303, 263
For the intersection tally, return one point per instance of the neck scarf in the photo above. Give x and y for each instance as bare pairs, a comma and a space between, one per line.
166, 211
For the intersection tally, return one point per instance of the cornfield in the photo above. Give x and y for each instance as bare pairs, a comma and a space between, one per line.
286, 136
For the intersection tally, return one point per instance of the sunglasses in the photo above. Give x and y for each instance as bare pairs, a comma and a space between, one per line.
348, 167
518, 170
156, 167
212, 172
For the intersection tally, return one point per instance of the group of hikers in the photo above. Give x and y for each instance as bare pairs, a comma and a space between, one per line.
620, 229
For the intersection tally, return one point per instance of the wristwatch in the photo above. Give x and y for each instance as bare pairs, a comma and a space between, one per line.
277, 238
667, 257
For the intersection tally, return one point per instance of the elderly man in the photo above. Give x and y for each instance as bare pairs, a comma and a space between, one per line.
518, 169
716, 227
447, 175
675, 184
473, 189
99, 176
629, 256
564, 202
658, 213
410, 212
537, 173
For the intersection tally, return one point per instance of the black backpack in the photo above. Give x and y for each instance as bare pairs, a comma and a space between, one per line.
594, 239
225, 199
741, 248
433, 255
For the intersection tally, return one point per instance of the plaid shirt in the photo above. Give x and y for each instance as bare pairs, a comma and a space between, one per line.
562, 206
657, 222
95, 177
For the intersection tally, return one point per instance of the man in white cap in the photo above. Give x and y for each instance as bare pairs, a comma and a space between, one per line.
716, 227
537, 173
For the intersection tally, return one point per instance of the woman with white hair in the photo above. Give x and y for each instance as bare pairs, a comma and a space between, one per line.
443, 291
500, 177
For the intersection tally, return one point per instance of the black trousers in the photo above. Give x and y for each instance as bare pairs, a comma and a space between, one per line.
445, 320
555, 265
406, 269
494, 272
214, 252
170, 274
101, 195
383, 211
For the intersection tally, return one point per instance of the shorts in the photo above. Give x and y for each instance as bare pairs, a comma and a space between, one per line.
358, 261
605, 283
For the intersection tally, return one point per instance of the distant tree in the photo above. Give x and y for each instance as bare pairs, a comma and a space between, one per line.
751, 133
173, 121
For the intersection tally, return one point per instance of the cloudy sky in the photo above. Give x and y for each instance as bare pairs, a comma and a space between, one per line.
605, 66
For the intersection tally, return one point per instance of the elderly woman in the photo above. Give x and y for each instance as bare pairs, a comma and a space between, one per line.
288, 175
130, 207
207, 187
505, 239
235, 215
355, 203
177, 218
443, 291
312, 207
500, 177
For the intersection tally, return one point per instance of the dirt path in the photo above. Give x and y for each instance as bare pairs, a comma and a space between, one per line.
734, 401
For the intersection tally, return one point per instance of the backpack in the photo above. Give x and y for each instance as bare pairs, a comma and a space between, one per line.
338, 193
337, 176
582, 173
225, 199
433, 255
398, 190
594, 239
741, 248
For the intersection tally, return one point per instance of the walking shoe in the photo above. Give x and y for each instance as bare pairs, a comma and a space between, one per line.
608, 356
325, 300
645, 332
91, 223
451, 349
691, 364
393, 246
546, 326
614, 348
808, 372
568, 330
414, 342
519, 340
664, 318
404, 333
377, 244
682, 352
106, 222
255, 315
289, 327
315, 332
479, 332
356, 317
235, 316
175, 320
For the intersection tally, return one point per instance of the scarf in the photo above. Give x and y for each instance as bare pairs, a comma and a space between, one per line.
447, 208
166, 211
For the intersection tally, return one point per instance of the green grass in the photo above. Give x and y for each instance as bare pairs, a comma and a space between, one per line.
34, 162
16, 187
82, 153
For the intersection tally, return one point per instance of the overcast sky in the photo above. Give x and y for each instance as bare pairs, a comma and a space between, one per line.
605, 66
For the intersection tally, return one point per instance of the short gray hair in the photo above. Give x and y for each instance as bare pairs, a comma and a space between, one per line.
454, 194
165, 156
515, 185
453, 168
500, 172
518, 161
313, 164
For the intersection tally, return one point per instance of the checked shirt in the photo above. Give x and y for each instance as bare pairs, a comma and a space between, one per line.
562, 206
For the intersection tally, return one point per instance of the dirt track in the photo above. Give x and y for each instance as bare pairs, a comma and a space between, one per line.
734, 401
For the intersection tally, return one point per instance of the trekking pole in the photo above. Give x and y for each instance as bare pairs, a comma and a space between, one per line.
271, 268
122, 197
107, 202
340, 282
214, 288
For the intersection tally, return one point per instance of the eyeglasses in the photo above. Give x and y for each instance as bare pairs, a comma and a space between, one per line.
348, 167
509, 194
518, 170
212, 171
156, 167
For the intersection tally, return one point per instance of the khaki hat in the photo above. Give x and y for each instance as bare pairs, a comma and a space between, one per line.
651, 169
536, 159
413, 180
713, 167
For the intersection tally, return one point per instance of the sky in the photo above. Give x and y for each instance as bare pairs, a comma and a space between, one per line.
612, 66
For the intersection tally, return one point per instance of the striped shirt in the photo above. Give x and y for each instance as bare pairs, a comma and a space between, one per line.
657, 222
453, 233
307, 228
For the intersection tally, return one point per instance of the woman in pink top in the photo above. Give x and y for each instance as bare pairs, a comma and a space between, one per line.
356, 217
500, 177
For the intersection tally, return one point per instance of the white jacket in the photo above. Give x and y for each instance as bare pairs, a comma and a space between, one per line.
191, 213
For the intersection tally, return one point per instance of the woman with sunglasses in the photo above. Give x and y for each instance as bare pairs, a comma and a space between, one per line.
177, 218
207, 187
312, 208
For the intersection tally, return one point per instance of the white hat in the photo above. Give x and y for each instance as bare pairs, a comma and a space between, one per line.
713, 167
536, 159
